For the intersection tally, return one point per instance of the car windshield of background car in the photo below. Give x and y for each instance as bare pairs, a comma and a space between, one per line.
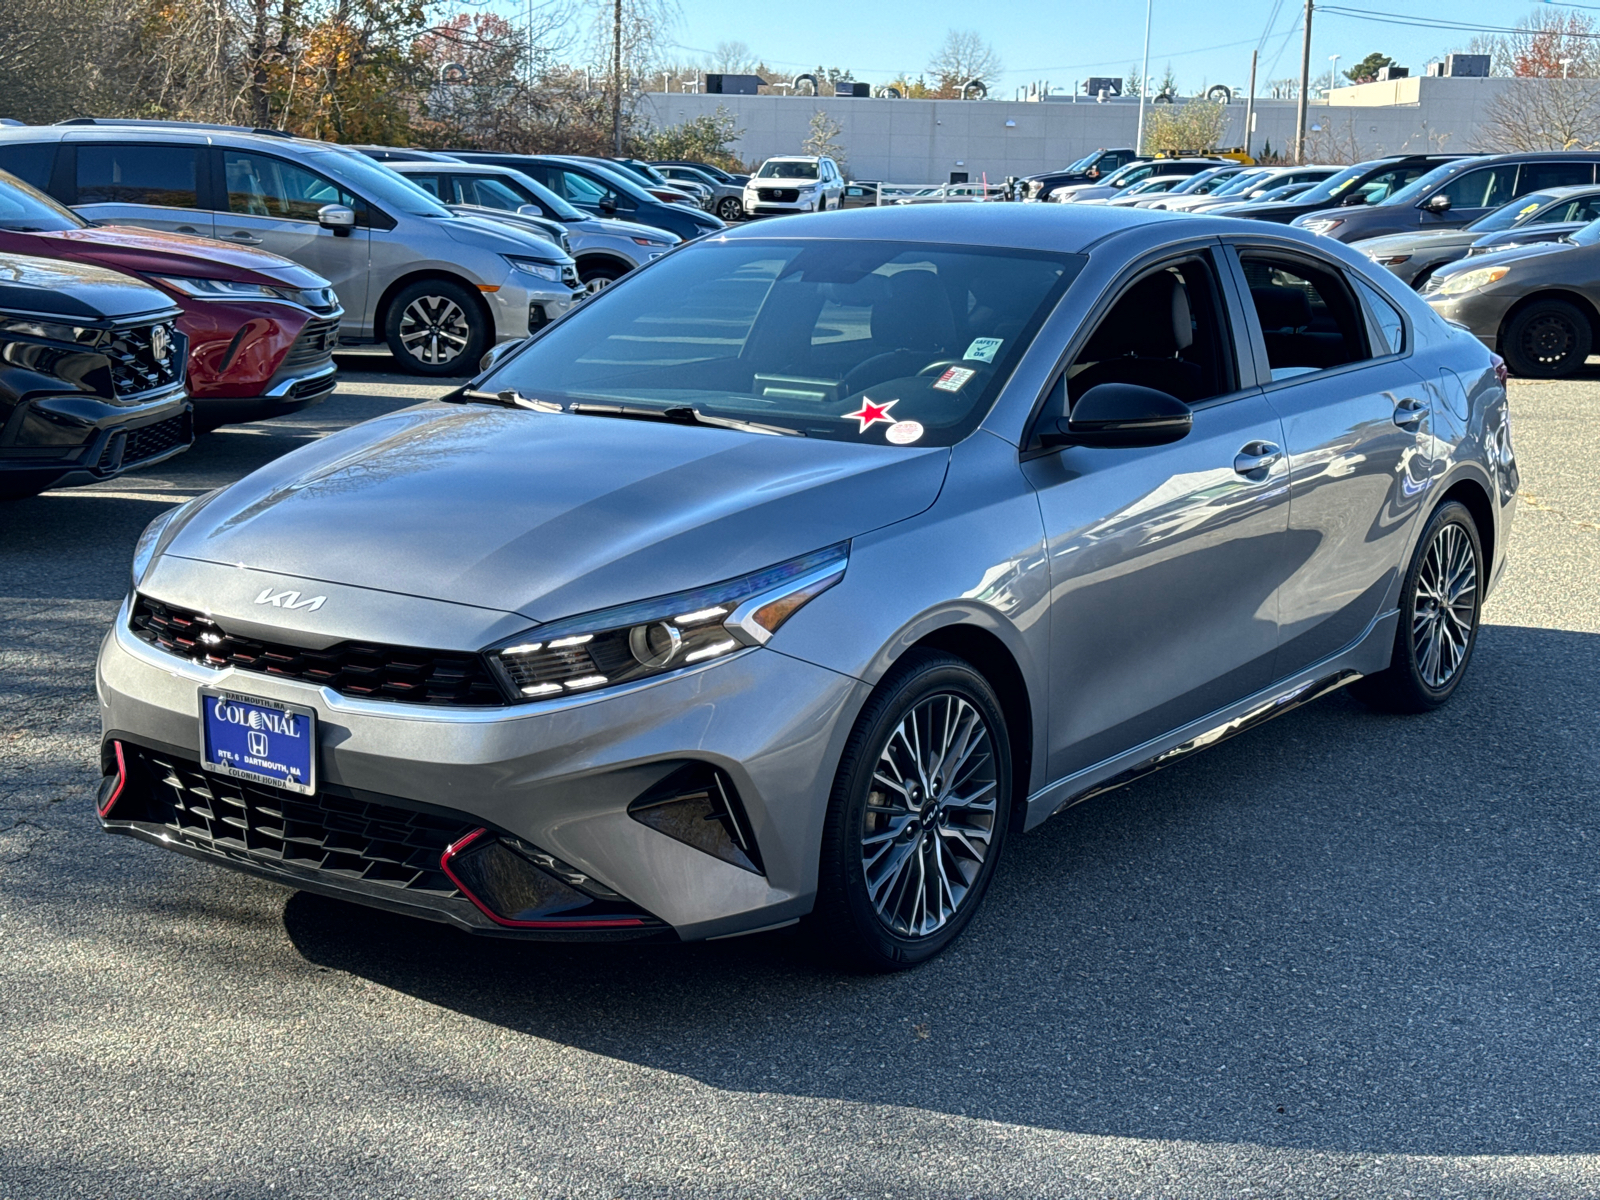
489, 192
1337, 184
27, 210
1241, 183
1511, 214
788, 170
386, 188
552, 204
1589, 235
879, 342
1426, 182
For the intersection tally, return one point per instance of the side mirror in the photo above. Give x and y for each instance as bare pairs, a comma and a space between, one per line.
1437, 203
529, 210
338, 217
608, 206
1353, 199
1122, 416
495, 353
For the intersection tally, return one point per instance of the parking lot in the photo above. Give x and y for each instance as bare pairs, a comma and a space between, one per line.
1344, 955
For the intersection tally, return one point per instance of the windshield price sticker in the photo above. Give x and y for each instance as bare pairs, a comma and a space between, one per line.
954, 379
984, 349
903, 433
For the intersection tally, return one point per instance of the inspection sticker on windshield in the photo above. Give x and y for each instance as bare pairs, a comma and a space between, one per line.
984, 349
953, 379
903, 433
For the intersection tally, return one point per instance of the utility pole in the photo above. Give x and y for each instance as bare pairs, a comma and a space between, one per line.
1144, 78
616, 74
1250, 106
1305, 87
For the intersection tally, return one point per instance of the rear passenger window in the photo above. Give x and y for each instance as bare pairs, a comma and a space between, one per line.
1537, 176
30, 162
1385, 330
1309, 319
429, 184
138, 174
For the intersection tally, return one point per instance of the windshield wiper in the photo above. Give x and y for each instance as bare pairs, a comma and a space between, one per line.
681, 414
505, 399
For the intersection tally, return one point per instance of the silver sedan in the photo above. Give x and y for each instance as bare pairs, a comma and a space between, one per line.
789, 578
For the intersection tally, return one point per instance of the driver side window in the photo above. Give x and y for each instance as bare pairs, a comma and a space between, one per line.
1166, 331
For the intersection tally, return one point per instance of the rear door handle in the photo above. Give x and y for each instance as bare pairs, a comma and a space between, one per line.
1257, 458
1410, 412
239, 235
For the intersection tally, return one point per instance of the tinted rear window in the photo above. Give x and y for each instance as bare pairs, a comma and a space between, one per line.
29, 162
138, 174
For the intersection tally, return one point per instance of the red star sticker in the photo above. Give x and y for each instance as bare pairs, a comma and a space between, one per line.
870, 414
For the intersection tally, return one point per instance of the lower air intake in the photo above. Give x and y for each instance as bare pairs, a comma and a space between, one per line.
698, 806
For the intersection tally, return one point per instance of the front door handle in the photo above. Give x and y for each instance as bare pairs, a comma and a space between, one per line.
1410, 412
239, 235
1257, 458
185, 229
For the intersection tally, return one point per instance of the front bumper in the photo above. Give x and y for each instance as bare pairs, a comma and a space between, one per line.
754, 206
523, 304
560, 776
109, 439
1482, 312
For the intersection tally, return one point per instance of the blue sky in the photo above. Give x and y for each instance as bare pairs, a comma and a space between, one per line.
1064, 40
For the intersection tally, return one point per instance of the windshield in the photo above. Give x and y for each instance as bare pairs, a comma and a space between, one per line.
1589, 235
1511, 214
377, 183
1426, 182
880, 342
1205, 182
1242, 182
1083, 163
24, 209
778, 169
1336, 184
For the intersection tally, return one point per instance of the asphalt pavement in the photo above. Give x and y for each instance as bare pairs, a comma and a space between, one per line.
1345, 955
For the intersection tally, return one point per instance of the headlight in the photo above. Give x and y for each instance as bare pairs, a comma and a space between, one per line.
1468, 281
1323, 224
534, 267
233, 289
639, 641
51, 331
644, 241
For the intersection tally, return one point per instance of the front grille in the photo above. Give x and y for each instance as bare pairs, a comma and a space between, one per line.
779, 195
314, 345
154, 440
342, 836
366, 672
135, 366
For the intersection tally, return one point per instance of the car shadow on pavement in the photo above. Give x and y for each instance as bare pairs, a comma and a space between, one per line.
1344, 931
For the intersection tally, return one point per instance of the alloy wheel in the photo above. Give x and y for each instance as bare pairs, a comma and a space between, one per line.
1445, 606
597, 283
930, 816
434, 329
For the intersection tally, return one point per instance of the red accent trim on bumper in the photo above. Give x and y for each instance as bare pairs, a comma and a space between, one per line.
122, 780
455, 848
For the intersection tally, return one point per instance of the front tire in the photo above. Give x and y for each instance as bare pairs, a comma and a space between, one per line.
1549, 339
730, 209
596, 277
436, 327
919, 811
1440, 605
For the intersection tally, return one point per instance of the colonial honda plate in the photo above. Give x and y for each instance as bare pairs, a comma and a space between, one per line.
265, 741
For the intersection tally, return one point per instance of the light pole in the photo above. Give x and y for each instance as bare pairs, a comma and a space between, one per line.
1333, 74
1144, 79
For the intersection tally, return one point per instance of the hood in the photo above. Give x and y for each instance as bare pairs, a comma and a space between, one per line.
1510, 255
623, 229
153, 251
73, 290
548, 514
1547, 232
499, 237
1408, 243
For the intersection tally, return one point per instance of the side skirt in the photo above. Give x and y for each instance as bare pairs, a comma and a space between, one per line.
1368, 655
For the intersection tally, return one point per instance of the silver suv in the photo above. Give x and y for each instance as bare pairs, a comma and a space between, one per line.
439, 288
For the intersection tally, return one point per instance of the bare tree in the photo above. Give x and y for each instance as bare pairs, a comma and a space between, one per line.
1543, 114
963, 55
1541, 44
823, 140
733, 58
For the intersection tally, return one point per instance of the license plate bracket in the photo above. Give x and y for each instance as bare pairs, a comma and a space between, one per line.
258, 739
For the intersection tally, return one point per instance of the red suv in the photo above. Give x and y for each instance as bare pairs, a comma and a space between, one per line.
261, 329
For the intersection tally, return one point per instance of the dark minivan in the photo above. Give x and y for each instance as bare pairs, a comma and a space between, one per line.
1455, 194
603, 191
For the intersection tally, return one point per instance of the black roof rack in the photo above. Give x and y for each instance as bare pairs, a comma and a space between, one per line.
136, 122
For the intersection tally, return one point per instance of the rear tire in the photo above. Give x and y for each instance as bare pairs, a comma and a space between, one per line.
919, 812
1550, 339
1441, 600
437, 327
